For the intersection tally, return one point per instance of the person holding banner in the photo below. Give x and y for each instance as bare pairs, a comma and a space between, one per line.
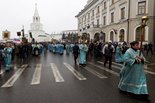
132, 76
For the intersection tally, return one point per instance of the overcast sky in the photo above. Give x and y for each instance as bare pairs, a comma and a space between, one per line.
55, 15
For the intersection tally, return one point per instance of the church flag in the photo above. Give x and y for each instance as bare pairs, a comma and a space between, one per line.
18, 33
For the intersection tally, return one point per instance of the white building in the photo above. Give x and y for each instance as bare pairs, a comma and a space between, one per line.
70, 35
37, 29
56, 36
117, 20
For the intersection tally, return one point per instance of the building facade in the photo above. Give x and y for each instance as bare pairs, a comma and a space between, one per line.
70, 36
56, 36
36, 30
116, 20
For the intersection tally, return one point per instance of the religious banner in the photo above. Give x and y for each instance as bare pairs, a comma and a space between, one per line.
18, 33
30, 35
6, 35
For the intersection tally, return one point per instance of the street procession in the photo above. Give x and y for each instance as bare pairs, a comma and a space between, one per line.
109, 57
127, 54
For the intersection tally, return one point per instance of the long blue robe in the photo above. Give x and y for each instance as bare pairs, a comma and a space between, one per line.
57, 48
118, 55
54, 48
50, 47
61, 49
132, 75
72, 45
7, 57
83, 50
68, 49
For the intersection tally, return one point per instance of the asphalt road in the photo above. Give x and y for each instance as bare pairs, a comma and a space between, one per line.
54, 78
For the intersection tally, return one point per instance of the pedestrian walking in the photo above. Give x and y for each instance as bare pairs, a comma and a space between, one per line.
61, 49
1, 59
145, 48
132, 76
150, 46
83, 50
7, 54
124, 47
119, 54
91, 48
75, 52
108, 50
68, 48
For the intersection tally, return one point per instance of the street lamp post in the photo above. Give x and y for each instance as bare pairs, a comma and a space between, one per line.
144, 20
24, 40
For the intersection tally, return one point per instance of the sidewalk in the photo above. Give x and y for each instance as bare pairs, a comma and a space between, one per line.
150, 59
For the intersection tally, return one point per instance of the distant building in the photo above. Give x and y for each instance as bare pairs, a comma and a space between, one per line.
56, 36
37, 31
66, 35
70, 36
117, 20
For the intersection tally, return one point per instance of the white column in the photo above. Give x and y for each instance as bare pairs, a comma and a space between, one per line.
108, 16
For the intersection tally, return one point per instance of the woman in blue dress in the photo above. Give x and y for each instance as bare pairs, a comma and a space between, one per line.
118, 54
7, 54
54, 48
68, 48
132, 75
83, 50
61, 49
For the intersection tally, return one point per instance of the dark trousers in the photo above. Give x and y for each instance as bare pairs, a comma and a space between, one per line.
91, 53
0, 65
75, 57
149, 50
108, 58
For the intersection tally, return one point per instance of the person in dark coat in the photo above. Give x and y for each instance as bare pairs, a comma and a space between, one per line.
108, 52
1, 58
76, 52
91, 48
150, 48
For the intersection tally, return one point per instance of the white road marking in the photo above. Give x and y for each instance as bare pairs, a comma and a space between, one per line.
36, 75
145, 67
1, 72
15, 67
75, 72
13, 79
119, 68
57, 75
105, 69
151, 64
149, 72
95, 73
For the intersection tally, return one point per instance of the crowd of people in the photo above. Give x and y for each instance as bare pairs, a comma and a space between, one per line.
132, 76
9, 51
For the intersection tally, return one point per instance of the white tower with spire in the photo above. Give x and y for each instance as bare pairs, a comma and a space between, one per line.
37, 28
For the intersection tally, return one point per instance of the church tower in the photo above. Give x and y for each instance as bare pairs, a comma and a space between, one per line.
36, 18
36, 25
36, 28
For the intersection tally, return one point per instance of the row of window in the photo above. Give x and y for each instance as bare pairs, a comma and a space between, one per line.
141, 10
121, 35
